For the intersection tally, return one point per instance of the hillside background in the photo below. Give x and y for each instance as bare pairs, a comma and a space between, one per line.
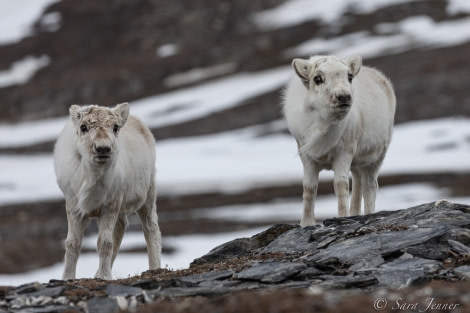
207, 77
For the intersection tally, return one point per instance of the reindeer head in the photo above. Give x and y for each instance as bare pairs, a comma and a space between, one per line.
328, 80
97, 129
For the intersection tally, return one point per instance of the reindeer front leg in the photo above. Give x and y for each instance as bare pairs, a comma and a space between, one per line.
310, 187
341, 168
106, 225
73, 242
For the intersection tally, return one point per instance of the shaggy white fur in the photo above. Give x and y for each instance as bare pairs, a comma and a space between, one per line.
105, 165
341, 114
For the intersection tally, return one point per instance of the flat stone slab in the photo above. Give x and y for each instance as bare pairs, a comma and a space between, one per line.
207, 276
273, 272
463, 271
119, 290
355, 249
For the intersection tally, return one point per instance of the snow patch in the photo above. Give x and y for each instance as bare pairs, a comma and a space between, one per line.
128, 264
411, 33
295, 12
239, 160
166, 50
30, 133
198, 74
458, 6
18, 17
206, 98
22, 71
51, 21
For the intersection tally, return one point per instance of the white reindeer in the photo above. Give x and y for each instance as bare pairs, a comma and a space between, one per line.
105, 165
341, 114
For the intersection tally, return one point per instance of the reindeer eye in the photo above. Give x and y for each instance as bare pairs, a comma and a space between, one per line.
350, 77
115, 128
318, 80
83, 128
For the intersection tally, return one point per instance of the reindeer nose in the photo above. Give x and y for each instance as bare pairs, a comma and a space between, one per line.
103, 150
344, 98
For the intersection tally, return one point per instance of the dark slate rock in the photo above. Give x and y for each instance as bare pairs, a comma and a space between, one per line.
273, 272
461, 235
325, 263
424, 215
266, 237
292, 241
26, 288
458, 247
47, 292
392, 249
242, 246
434, 249
368, 263
409, 262
195, 279
120, 290
399, 278
433, 214
247, 285
355, 249
102, 305
236, 248
341, 282
309, 273
49, 309
56, 282
289, 284
283, 273
325, 242
219, 283
149, 284
194, 291
342, 221
405, 271
463, 271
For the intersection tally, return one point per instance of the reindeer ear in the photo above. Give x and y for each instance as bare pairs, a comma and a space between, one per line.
75, 113
122, 113
355, 63
302, 69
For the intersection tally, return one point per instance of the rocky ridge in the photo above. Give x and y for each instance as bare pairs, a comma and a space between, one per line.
388, 250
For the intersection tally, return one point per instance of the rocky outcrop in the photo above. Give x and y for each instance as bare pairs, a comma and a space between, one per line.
394, 249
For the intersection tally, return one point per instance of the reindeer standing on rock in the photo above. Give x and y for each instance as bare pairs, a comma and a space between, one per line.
105, 165
341, 114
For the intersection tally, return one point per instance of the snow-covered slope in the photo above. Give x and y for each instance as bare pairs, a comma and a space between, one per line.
241, 160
